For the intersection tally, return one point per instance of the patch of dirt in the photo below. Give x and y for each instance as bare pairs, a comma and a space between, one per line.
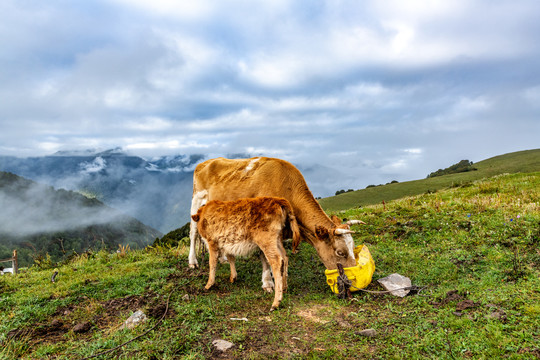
313, 315
157, 309
341, 321
131, 302
532, 351
53, 332
465, 264
82, 328
262, 342
111, 312
452, 295
466, 304
264, 335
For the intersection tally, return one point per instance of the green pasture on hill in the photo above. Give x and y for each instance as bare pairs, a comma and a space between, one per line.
473, 249
522, 161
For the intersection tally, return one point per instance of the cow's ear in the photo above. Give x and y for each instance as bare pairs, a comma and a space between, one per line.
322, 233
336, 220
195, 217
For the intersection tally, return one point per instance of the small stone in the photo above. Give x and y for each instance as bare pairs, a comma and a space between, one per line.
457, 313
82, 327
185, 297
134, 320
222, 345
368, 332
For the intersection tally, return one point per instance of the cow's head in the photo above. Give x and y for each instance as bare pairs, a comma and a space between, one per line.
336, 245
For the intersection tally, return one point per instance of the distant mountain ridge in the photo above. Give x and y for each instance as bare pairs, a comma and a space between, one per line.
154, 191
157, 191
37, 219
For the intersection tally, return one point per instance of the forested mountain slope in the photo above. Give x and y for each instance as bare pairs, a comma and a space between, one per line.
37, 219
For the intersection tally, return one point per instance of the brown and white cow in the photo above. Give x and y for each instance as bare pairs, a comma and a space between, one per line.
239, 227
226, 179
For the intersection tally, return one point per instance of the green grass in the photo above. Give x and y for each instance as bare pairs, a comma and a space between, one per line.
521, 161
475, 248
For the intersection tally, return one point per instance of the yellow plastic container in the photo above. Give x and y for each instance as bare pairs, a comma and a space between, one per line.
360, 275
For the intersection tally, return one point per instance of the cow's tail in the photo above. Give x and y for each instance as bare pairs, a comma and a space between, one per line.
293, 224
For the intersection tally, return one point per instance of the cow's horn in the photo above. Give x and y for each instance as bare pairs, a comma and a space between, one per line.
355, 222
339, 231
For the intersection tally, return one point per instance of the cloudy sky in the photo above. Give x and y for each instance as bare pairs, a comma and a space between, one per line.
378, 90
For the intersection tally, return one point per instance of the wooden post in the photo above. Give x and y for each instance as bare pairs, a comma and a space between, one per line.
15, 263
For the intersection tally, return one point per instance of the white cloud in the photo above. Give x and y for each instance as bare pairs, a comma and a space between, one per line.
414, 151
274, 71
178, 9
472, 105
48, 146
94, 166
149, 124
380, 85
121, 97
532, 96
418, 10
166, 146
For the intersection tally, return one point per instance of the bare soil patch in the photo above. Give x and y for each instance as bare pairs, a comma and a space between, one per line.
108, 315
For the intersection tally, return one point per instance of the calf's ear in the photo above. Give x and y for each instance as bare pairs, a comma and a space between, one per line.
322, 233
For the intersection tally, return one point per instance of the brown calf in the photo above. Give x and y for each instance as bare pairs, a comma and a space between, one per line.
239, 227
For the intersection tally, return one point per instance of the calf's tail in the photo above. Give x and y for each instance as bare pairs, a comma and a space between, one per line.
293, 224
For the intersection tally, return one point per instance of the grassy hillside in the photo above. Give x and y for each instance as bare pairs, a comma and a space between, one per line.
522, 161
475, 248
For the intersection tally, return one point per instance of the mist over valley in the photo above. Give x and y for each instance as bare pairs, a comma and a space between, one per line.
39, 220
155, 191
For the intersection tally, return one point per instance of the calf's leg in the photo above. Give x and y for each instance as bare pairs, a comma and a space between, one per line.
213, 260
285, 266
267, 282
277, 263
231, 259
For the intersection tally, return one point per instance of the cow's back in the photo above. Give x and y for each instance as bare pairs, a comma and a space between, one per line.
231, 179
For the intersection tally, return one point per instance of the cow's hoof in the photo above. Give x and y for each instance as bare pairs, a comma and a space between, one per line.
193, 266
269, 289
